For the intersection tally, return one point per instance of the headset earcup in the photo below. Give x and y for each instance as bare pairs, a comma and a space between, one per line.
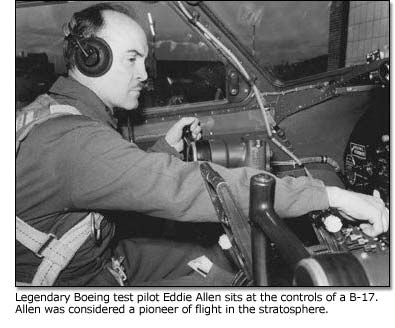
99, 58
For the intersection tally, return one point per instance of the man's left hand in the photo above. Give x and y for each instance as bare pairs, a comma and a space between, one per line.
174, 135
368, 209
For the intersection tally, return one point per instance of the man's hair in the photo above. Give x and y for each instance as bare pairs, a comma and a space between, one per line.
87, 23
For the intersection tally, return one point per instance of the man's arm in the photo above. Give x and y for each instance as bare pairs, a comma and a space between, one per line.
109, 173
162, 146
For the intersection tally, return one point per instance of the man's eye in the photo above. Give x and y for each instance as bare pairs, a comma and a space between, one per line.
132, 59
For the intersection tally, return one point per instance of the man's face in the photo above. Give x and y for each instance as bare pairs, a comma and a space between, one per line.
121, 85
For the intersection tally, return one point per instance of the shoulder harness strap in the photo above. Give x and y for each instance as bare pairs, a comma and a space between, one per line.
41, 110
55, 253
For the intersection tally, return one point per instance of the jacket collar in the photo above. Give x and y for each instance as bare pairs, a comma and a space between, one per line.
68, 91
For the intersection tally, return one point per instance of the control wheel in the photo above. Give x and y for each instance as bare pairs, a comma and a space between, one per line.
338, 269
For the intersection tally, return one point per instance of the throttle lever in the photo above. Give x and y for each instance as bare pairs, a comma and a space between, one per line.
188, 139
187, 136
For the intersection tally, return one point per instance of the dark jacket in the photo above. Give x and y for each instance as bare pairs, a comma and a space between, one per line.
74, 164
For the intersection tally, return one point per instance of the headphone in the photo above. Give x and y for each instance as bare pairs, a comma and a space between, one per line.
92, 55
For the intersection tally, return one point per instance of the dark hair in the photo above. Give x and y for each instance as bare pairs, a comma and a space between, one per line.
87, 23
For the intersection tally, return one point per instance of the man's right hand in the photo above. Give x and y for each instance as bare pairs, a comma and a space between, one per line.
361, 207
174, 135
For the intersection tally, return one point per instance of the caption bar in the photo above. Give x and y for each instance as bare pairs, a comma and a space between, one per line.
201, 303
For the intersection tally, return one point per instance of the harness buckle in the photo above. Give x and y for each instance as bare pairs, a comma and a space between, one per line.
118, 270
95, 228
51, 237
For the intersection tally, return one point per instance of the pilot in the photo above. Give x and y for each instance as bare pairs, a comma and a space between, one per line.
74, 173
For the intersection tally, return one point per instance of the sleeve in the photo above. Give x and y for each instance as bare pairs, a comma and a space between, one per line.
161, 146
109, 173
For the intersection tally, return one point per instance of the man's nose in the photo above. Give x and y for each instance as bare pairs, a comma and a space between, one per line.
142, 73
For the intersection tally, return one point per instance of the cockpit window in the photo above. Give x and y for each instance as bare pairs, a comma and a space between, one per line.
288, 38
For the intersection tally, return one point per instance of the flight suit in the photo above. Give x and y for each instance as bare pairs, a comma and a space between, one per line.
71, 165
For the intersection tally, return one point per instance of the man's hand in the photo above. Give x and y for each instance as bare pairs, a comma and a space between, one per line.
174, 135
356, 206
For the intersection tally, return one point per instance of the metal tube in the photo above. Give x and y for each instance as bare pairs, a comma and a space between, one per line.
259, 244
262, 214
